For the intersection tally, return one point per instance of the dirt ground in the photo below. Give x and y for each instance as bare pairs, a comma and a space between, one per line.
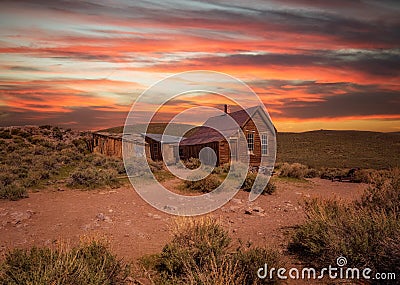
134, 228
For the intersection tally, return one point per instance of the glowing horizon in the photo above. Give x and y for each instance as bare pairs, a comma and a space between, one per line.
314, 64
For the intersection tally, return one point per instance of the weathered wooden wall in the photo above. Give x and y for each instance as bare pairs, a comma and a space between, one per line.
251, 127
111, 145
189, 151
107, 145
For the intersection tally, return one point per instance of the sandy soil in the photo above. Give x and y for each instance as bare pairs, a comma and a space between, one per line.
134, 228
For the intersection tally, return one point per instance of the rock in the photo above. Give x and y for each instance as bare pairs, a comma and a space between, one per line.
103, 218
248, 211
225, 210
100, 217
258, 209
234, 208
237, 201
18, 217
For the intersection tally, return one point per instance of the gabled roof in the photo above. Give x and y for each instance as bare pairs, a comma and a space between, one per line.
223, 122
227, 124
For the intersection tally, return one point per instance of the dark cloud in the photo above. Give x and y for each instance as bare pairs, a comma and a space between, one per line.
25, 68
373, 62
372, 23
354, 100
89, 118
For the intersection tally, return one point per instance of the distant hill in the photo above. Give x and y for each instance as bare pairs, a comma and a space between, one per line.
340, 149
321, 148
155, 128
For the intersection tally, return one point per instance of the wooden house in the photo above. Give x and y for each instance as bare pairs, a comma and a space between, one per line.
227, 144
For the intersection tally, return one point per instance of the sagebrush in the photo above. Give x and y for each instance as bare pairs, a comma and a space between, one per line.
89, 263
366, 232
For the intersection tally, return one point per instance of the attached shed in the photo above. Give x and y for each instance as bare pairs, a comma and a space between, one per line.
111, 144
163, 147
259, 140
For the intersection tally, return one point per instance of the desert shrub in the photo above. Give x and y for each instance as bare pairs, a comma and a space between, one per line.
36, 139
18, 140
192, 163
81, 145
155, 165
5, 134
384, 195
366, 232
12, 191
40, 150
99, 160
330, 173
200, 253
296, 170
311, 173
40, 157
45, 127
116, 164
224, 168
6, 176
204, 185
57, 133
89, 263
91, 177
193, 244
239, 170
47, 144
249, 260
258, 187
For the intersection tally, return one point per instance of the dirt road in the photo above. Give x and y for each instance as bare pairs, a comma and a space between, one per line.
134, 228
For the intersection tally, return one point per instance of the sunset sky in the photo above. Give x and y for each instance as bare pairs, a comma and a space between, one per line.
315, 64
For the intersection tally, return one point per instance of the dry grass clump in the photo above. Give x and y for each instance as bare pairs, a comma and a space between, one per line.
365, 232
248, 184
34, 157
192, 163
89, 263
296, 170
201, 253
205, 185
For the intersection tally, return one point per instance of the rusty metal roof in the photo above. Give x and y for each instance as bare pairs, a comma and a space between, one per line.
133, 138
165, 139
227, 124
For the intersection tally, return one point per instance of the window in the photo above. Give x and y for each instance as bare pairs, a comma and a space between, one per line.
264, 144
250, 142
155, 147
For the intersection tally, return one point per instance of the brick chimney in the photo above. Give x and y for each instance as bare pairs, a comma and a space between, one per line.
226, 109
